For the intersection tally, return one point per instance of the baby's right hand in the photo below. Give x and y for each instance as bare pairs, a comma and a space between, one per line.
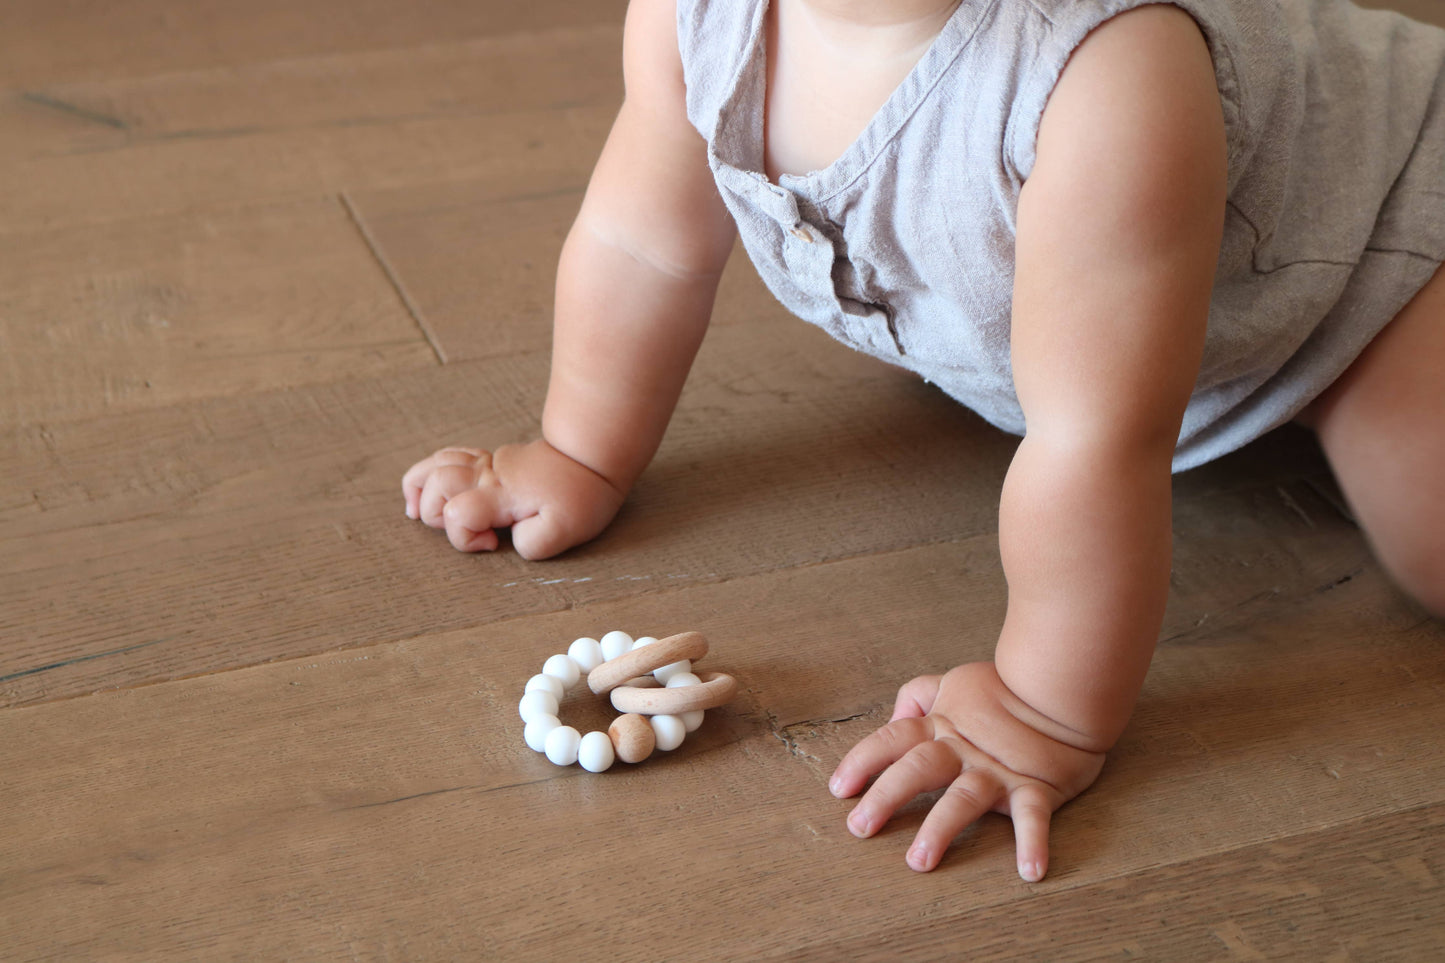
550, 501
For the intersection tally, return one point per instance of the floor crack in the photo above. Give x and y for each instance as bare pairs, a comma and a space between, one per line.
787, 734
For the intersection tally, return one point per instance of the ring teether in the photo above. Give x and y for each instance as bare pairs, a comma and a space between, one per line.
651, 682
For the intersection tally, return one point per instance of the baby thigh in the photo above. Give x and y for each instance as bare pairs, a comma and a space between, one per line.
1382, 426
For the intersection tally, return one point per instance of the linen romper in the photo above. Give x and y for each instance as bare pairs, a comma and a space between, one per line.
904, 247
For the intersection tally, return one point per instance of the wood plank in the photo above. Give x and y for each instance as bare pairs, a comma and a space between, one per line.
1366, 890
43, 42
363, 802
280, 515
463, 247
829, 522
527, 150
532, 71
130, 544
153, 311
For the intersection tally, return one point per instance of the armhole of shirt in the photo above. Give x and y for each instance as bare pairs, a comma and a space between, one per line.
1061, 36
689, 14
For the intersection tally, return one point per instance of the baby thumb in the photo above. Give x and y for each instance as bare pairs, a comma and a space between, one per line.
541, 536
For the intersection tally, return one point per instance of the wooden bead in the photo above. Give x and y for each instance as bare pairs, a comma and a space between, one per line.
632, 737
644, 660
716, 689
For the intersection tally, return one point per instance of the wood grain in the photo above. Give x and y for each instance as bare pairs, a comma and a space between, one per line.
558, 67
148, 312
1312, 896
279, 513
44, 42
193, 175
384, 794
458, 246
256, 259
285, 508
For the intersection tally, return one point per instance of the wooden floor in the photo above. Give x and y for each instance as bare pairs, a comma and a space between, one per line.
255, 259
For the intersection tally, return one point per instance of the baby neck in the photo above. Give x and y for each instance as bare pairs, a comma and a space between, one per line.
885, 27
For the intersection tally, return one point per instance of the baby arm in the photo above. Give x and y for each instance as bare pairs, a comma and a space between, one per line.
1119, 228
635, 287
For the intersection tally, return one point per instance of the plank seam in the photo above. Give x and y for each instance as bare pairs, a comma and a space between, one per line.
392, 277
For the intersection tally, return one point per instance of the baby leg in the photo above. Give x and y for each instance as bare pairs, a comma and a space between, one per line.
1382, 426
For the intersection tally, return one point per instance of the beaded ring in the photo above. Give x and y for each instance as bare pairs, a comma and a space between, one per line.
652, 684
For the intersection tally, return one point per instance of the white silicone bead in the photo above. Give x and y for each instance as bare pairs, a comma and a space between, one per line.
561, 745
671, 669
615, 643
645, 640
587, 653
537, 703
680, 679
563, 667
669, 730
536, 731
547, 683
595, 752
691, 720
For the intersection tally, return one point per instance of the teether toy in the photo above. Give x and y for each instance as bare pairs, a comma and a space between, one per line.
651, 682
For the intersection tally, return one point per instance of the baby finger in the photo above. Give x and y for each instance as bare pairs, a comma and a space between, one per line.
1031, 809
875, 753
444, 484
968, 797
416, 476
471, 516
927, 766
916, 697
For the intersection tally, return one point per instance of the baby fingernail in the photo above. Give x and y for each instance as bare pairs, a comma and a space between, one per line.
860, 822
1031, 872
918, 856
835, 785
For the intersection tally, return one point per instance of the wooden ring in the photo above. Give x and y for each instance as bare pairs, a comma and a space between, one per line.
717, 688
649, 658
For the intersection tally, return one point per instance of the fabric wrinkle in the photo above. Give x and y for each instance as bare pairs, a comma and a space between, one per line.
903, 247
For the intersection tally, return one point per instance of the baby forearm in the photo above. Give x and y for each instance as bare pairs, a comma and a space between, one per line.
625, 335
1085, 540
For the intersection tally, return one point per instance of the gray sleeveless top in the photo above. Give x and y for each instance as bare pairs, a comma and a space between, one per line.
904, 247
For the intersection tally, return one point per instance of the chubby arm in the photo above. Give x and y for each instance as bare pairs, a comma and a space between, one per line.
635, 288
639, 270
1119, 229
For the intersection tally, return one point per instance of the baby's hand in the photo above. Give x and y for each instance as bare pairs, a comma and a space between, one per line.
550, 501
963, 730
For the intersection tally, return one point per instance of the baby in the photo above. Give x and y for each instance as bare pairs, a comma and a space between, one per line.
1137, 234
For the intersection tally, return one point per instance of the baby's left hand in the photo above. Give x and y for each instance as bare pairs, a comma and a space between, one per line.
958, 730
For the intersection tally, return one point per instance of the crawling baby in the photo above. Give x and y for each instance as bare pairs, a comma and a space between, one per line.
1137, 234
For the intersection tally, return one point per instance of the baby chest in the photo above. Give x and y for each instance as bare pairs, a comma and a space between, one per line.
820, 95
